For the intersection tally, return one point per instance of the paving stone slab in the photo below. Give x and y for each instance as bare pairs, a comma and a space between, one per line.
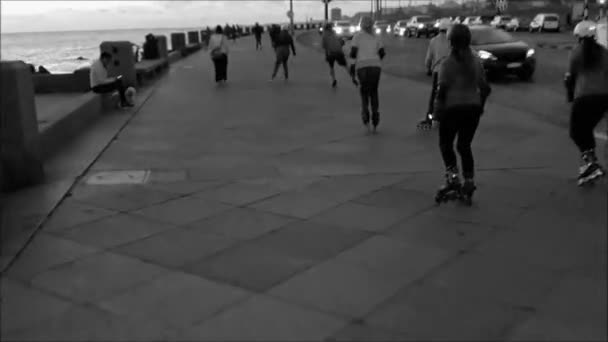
123, 197
240, 223
176, 247
240, 193
426, 313
361, 217
436, 231
44, 252
365, 333
187, 187
295, 204
339, 288
575, 311
96, 277
265, 319
393, 257
249, 266
115, 230
496, 279
310, 240
81, 323
177, 299
392, 197
183, 210
72, 213
24, 307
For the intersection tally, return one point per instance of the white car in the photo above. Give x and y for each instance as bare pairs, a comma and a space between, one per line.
469, 21
344, 29
512, 25
545, 22
400, 28
500, 21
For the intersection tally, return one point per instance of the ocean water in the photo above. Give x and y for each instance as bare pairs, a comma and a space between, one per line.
59, 51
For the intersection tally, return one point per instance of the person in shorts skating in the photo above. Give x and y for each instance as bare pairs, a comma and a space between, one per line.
587, 86
332, 45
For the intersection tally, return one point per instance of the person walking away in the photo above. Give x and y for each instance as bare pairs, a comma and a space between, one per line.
257, 32
368, 52
332, 45
283, 42
219, 54
461, 95
273, 33
587, 85
438, 50
233, 33
102, 84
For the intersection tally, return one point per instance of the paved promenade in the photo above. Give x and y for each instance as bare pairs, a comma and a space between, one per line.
266, 213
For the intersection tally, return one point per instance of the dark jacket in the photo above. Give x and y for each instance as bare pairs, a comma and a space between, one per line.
284, 39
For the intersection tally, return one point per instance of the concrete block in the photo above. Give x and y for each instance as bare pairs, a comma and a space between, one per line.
178, 41
163, 51
78, 81
193, 37
20, 157
123, 61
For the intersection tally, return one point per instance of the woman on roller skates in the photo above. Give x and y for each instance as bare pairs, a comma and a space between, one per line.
368, 52
438, 50
587, 85
461, 94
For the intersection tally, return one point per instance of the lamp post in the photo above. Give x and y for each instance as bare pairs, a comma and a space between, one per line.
291, 16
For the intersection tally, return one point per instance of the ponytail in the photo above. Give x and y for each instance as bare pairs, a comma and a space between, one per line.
592, 53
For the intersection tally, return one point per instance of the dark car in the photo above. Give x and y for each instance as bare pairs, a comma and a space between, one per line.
421, 25
501, 53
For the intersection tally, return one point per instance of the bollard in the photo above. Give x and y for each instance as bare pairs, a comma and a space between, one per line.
123, 61
178, 41
193, 37
20, 159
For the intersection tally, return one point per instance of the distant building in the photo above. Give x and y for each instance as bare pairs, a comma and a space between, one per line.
336, 14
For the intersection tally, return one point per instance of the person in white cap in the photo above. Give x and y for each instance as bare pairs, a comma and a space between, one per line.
438, 50
587, 87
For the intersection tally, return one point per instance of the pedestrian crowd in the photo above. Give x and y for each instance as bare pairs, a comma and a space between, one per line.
459, 88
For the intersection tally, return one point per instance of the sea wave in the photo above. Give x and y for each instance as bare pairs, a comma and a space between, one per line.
59, 51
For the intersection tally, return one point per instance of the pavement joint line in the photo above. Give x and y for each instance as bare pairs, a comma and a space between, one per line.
77, 179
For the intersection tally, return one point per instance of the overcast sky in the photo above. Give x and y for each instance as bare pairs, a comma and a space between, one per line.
34, 16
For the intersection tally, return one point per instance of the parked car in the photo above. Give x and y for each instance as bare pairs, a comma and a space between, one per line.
436, 25
512, 25
421, 24
545, 22
382, 27
501, 53
469, 21
344, 29
501, 21
400, 28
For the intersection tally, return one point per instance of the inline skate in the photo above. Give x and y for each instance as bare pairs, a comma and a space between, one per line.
467, 190
452, 189
590, 169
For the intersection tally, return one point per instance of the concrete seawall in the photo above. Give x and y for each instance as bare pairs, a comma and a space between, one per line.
63, 106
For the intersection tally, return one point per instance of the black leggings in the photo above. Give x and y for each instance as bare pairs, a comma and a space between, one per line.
587, 112
369, 79
461, 121
258, 41
111, 87
221, 68
433, 94
282, 56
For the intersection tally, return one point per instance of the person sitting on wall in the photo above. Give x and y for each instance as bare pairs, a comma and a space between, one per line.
43, 70
102, 84
151, 47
